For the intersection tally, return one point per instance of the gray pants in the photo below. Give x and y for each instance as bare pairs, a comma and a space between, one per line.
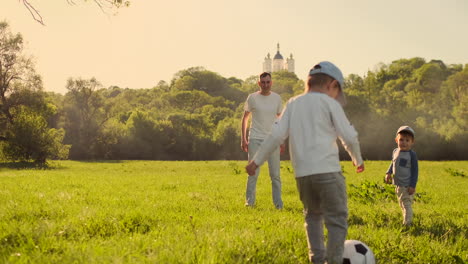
405, 200
324, 198
274, 169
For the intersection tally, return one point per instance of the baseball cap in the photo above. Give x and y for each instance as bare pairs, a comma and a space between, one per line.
405, 129
331, 70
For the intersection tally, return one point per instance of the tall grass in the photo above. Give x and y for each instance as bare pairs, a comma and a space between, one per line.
193, 212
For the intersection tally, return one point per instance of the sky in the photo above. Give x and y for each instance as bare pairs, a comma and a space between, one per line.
152, 40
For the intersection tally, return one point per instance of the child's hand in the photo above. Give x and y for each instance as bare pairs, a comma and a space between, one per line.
388, 178
251, 168
411, 190
282, 148
360, 168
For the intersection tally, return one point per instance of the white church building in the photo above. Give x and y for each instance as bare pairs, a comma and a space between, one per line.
278, 63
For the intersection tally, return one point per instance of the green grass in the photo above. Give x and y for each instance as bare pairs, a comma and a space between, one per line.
193, 212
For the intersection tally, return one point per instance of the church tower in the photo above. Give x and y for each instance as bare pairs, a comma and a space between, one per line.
267, 64
278, 63
290, 63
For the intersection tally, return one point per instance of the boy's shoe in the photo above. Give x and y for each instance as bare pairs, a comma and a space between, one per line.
249, 205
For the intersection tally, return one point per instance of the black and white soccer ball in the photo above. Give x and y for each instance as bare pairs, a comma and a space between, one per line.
356, 252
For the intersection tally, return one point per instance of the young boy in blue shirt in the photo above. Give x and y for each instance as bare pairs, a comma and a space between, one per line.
404, 167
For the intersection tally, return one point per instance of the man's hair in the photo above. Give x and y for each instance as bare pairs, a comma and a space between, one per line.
265, 74
406, 133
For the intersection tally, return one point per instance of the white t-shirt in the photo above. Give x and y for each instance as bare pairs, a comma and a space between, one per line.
264, 109
312, 121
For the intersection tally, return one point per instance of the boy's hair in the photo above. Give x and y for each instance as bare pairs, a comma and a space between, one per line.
318, 79
406, 133
406, 130
265, 74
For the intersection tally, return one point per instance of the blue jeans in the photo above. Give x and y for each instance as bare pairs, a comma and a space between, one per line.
274, 169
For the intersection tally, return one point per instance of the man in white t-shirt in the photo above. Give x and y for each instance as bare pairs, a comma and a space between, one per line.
313, 122
265, 106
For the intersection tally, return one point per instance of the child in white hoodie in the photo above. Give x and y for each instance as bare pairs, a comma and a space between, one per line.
313, 121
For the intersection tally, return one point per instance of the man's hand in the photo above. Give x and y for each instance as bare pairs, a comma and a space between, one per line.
251, 168
388, 178
411, 190
245, 145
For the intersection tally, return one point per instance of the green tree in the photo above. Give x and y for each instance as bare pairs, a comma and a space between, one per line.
286, 84
147, 138
215, 114
227, 137
16, 72
451, 120
30, 138
189, 101
23, 105
212, 83
86, 113
426, 95
404, 68
192, 138
250, 84
430, 76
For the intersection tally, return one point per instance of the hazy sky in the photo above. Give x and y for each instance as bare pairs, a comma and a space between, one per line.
152, 40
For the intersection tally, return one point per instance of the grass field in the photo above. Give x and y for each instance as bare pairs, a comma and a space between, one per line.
193, 212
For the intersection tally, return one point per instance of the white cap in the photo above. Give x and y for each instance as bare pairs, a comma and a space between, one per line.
331, 70
405, 129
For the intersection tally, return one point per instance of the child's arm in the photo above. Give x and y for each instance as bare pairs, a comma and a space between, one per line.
388, 174
414, 173
279, 132
347, 135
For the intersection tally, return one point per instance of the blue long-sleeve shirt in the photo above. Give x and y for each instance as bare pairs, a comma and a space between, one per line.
404, 166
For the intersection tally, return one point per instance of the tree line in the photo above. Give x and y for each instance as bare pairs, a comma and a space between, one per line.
197, 115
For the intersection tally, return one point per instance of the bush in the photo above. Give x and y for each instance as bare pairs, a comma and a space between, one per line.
30, 139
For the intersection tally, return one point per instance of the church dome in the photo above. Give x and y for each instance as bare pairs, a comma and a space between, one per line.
278, 56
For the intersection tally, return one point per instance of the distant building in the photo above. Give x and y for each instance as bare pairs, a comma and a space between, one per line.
278, 63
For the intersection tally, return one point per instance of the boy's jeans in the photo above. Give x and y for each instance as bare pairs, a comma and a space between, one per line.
324, 198
405, 200
274, 169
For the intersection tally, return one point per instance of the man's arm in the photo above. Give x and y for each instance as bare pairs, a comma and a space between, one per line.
244, 141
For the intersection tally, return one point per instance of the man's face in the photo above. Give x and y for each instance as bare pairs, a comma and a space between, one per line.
404, 141
265, 83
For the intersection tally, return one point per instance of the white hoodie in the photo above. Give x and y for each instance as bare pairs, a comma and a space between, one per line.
312, 121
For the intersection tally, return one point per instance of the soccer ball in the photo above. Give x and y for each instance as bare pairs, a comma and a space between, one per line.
356, 252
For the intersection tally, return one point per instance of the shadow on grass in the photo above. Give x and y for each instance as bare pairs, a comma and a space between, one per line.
100, 161
443, 229
24, 165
